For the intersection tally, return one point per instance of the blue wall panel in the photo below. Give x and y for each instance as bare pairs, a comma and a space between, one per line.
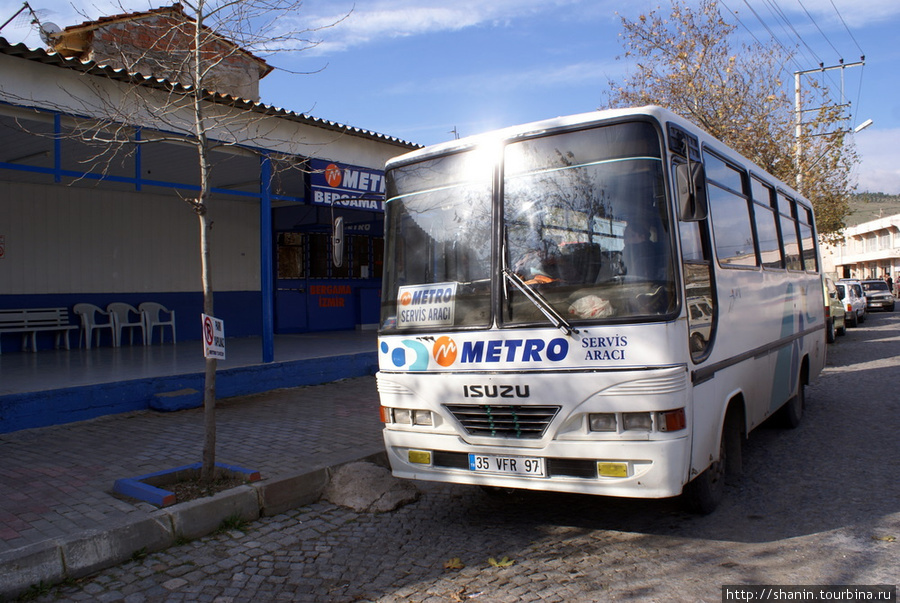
241, 311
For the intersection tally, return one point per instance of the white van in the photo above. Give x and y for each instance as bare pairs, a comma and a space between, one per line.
851, 294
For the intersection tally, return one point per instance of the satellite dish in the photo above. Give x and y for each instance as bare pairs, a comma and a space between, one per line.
47, 30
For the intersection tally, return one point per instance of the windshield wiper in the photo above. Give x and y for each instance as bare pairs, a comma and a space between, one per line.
540, 302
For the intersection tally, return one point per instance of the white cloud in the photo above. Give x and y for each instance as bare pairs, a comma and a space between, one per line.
585, 74
879, 170
382, 19
855, 13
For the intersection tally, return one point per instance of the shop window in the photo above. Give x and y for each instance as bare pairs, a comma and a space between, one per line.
378, 257
319, 256
359, 251
290, 255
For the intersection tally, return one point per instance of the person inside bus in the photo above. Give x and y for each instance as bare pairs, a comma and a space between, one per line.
532, 267
642, 256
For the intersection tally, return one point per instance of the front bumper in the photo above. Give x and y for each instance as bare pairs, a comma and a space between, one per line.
655, 468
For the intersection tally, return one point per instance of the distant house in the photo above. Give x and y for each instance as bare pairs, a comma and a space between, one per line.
158, 43
868, 250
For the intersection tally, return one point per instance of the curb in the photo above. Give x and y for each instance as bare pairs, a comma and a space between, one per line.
54, 561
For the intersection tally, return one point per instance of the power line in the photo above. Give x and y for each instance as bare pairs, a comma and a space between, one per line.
780, 16
836, 51
858, 47
844, 23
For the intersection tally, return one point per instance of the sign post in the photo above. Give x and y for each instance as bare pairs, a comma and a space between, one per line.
213, 337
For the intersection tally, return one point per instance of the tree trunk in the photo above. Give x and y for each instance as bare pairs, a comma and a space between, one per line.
207, 470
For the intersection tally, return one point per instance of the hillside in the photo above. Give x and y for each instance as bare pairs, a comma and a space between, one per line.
870, 206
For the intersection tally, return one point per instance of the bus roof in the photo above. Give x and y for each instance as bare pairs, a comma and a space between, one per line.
660, 114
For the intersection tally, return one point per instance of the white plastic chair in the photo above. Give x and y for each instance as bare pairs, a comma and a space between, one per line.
89, 313
126, 316
151, 312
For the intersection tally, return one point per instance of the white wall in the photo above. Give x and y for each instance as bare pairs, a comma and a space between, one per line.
61, 239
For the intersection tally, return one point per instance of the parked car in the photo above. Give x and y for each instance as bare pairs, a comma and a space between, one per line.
878, 295
854, 300
835, 315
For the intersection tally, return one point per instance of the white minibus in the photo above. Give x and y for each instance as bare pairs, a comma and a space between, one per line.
606, 303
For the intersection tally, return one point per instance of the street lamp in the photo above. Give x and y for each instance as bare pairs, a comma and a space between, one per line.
863, 126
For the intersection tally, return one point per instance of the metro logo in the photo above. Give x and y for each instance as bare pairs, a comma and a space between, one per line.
444, 351
333, 175
405, 298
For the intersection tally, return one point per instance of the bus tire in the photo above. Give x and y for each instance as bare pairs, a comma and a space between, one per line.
704, 493
791, 413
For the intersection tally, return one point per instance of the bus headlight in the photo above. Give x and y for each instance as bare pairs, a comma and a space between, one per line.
637, 421
602, 421
406, 416
422, 417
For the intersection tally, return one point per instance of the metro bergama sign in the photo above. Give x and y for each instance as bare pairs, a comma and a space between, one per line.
341, 185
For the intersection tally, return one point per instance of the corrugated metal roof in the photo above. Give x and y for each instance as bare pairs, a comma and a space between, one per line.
92, 68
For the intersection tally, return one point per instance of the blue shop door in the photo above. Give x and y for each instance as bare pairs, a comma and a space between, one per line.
290, 309
291, 289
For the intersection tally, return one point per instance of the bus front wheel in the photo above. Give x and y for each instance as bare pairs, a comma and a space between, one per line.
704, 493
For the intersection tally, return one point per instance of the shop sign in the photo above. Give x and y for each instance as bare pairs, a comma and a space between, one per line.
347, 186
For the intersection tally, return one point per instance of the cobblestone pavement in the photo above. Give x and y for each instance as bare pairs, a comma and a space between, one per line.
816, 505
49, 496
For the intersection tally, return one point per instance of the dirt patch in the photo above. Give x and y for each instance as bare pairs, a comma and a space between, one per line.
193, 488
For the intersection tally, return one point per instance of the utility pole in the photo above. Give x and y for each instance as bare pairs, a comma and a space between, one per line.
799, 110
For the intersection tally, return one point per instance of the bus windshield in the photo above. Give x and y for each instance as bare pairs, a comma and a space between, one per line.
438, 233
584, 227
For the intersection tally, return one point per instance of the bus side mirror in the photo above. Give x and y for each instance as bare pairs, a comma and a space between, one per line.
691, 183
337, 242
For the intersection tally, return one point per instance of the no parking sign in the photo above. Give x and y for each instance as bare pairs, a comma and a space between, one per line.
213, 337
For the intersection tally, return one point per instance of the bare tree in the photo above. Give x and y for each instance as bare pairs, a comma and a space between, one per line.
219, 31
686, 61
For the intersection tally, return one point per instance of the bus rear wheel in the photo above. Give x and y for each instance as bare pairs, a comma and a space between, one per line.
791, 413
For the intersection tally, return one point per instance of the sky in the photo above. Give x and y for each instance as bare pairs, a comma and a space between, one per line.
427, 71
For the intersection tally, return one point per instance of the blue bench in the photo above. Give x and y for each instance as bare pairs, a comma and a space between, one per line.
29, 321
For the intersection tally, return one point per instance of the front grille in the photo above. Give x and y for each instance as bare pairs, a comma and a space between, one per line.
519, 422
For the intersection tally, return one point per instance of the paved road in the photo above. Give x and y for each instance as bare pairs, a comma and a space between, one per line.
817, 505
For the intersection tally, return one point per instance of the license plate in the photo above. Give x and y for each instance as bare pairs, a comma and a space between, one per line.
507, 465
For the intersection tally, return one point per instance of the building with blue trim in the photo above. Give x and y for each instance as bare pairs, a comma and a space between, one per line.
110, 222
